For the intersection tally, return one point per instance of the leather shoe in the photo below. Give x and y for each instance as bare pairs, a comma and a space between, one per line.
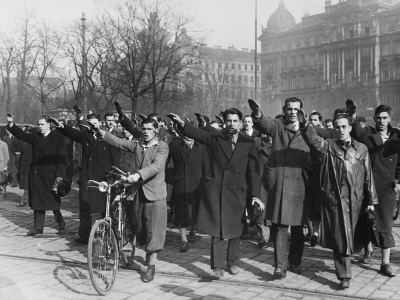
233, 270
184, 247
217, 273
367, 257
192, 237
344, 283
279, 273
295, 269
386, 270
33, 232
262, 243
61, 224
314, 241
149, 275
81, 240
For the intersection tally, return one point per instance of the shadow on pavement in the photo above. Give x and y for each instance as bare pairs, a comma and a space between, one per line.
187, 292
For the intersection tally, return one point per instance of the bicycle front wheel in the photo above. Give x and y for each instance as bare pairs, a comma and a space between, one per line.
102, 256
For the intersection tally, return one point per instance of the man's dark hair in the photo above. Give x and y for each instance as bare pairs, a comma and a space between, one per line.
292, 99
328, 121
155, 115
340, 111
316, 113
150, 120
342, 116
109, 114
232, 111
383, 108
93, 116
361, 119
277, 117
45, 117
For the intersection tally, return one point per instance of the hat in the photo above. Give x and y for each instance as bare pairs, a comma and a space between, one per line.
63, 188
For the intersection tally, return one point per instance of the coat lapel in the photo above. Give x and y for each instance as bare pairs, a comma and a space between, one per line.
240, 147
44, 141
226, 145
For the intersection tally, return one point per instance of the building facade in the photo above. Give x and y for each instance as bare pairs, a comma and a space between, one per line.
228, 78
352, 50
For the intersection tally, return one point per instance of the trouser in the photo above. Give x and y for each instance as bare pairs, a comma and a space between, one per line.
218, 256
342, 265
262, 231
40, 215
280, 234
25, 196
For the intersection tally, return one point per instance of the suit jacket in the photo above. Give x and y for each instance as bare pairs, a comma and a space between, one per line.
48, 163
97, 159
231, 174
150, 164
285, 173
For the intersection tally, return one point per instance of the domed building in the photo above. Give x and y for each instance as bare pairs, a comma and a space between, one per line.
281, 19
351, 50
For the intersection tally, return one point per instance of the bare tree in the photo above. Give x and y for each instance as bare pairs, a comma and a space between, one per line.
46, 78
7, 69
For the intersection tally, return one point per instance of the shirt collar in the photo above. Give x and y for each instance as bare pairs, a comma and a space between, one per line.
153, 142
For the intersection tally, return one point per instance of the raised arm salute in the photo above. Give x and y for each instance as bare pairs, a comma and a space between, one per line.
233, 171
287, 203
47, 169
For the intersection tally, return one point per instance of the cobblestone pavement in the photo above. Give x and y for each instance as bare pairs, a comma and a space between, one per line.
54, 267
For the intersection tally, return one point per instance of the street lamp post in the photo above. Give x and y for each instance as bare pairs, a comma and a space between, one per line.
84, 66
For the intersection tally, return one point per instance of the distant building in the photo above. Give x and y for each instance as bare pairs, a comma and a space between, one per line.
352, 50
227, 77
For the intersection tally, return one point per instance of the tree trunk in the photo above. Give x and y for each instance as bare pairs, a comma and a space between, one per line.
134, 102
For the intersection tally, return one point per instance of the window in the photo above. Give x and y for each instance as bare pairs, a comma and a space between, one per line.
334, 79
258, 67
240, 66
240, 79
251, 67
312, 101
245, 78
367, 31
385, 49
365, 76
245, 66
219, 65
293, 85
351, 33
233, 66
233, 79
303, 61
384, 98
303, 82
385, 74
251, 79
350, 77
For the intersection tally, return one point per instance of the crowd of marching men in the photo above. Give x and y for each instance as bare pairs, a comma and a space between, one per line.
222, 177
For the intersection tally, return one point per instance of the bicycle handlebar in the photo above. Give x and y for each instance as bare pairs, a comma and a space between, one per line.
119, 170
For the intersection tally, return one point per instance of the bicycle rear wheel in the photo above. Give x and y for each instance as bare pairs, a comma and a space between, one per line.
102, 256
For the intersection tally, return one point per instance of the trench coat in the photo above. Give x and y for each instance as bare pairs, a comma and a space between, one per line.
231, 174
341, 206
189, 167
97, 159
385, 163
285, 175
4, 155
48, 163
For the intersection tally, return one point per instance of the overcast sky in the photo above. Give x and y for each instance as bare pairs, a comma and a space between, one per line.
224, 22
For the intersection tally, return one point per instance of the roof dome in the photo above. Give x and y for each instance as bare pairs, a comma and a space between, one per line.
280, 19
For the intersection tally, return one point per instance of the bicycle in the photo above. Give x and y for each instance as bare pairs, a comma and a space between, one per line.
107, 241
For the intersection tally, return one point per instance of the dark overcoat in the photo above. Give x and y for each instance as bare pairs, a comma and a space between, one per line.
231, 174
285, 176
25, 159
189, 167
385, 163
97, 159
347, 187
48, 163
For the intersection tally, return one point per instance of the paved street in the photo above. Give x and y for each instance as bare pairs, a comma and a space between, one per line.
54, 267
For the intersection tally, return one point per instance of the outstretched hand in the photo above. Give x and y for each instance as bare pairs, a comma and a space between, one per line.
57, 123
176, 119
10, 118
77, 111
94, 128
142, 116
200, 119
351, 107
119, 109
220, 119
255, 108
303, 118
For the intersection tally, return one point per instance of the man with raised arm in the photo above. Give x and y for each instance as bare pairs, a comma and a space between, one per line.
383, 142
285, 179
47, 169
97, 159
233, 174
148, 215
347, 188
